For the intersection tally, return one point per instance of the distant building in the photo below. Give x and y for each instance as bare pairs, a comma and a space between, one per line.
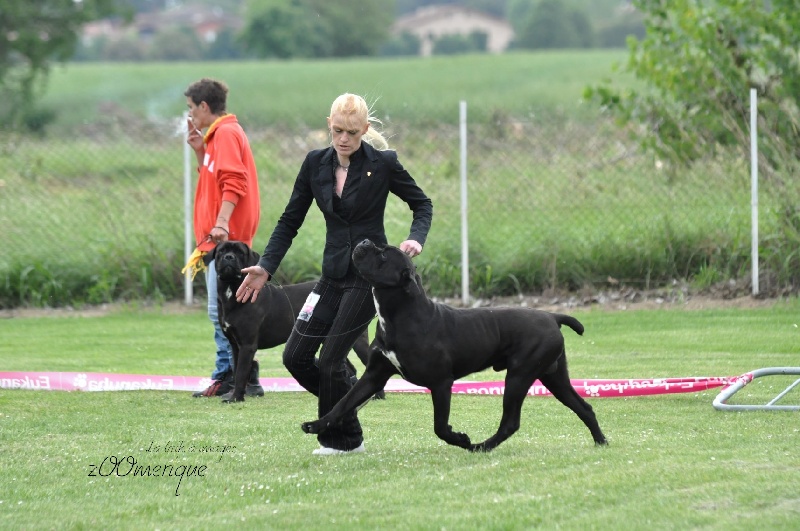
431, 22
207, 23
99, 29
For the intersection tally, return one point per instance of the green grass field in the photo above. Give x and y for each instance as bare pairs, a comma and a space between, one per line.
673, 462
299, 93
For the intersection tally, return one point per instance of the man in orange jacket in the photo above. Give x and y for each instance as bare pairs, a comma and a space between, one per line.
226, 205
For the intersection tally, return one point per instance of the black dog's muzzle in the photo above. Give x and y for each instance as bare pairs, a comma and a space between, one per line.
228, 259
363, 248
228, 266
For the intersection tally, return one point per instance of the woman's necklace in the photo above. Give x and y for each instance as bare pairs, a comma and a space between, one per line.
340, 179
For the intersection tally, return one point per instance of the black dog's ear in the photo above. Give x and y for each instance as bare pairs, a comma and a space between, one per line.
410, 280
210, 255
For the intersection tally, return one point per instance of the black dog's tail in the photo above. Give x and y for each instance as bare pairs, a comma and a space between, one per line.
570, 321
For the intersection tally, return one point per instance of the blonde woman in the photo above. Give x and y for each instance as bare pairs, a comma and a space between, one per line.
350, 182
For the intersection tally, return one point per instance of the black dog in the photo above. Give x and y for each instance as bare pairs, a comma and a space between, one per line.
432, 345
264, 324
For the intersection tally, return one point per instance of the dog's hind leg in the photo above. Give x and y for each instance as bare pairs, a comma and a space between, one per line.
516, 388
559, 384
441, 395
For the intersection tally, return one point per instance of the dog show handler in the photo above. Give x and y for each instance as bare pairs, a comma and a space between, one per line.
350, 182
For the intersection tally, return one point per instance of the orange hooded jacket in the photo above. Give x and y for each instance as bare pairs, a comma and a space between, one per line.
228, 173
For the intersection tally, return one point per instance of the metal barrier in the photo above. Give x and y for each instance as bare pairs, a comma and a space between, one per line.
728, 392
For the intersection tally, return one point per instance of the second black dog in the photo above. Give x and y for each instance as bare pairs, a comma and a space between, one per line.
266, 323
432, 345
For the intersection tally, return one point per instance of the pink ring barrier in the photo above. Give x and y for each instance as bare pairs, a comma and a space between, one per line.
591, 388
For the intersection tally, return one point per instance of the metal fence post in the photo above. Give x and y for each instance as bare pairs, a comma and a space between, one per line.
464, 232
754, 187
187, 217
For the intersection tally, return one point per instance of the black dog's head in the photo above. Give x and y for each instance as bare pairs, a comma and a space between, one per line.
385, 266
231, 257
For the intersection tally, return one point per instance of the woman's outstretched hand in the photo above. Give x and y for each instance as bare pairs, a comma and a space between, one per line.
257, 277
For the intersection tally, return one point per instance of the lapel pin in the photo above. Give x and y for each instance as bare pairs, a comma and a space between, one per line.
369, 174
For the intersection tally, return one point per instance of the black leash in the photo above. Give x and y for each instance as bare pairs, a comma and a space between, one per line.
294, 326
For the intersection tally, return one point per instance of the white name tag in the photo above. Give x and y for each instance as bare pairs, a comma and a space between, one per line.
308, 306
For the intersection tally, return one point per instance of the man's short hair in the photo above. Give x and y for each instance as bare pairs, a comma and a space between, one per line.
211, 91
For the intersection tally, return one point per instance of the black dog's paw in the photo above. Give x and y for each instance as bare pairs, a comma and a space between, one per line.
478, 448
228, 398
310, 427
453, 437
461, 440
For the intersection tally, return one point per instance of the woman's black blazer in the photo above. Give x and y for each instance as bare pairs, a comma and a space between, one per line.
378, 172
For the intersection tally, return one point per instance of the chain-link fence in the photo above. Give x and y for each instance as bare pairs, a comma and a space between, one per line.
554, 203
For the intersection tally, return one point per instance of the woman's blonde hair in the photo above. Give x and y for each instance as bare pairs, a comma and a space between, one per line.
356, 113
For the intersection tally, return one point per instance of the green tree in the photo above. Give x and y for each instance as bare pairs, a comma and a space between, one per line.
454, 44
280, 29
226, 46
353, 31
517, 11
317, 28
584, 32
491, 7
176, 43
404, 44
614, 33
33, 34
549, 24
697, 65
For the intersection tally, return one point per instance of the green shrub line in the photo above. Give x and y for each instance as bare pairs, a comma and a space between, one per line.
125, 239
131, 245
